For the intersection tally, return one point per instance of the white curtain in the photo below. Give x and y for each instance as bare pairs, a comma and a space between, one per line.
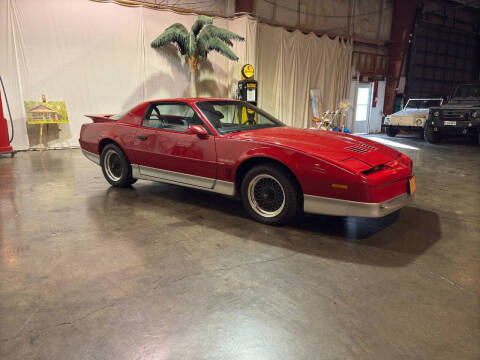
292, 63
97, 58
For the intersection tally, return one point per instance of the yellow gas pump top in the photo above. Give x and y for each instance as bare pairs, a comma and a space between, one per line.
247, 71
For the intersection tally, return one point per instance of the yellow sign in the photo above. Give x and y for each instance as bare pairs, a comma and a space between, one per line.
247, 71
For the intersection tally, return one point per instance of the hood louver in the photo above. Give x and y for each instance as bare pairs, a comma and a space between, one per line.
361, 148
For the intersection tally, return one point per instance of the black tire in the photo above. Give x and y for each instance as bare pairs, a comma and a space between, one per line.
116, 167
429, 135
392, 132
270, 195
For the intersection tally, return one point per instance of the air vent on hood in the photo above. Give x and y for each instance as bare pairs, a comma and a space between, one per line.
358, 149
369, 146
361, 148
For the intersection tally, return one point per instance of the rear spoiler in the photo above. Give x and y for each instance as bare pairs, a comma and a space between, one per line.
101, 118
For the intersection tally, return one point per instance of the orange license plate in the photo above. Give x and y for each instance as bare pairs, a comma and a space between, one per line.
412, 185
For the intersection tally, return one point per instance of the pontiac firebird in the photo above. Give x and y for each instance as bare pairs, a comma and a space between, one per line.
233, 148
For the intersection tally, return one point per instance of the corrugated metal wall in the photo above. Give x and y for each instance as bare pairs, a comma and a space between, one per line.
444, 50
213, 7
365, 19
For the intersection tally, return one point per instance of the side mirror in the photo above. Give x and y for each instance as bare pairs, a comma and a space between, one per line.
198, 130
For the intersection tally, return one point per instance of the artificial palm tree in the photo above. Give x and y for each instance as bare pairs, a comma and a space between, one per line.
196, 44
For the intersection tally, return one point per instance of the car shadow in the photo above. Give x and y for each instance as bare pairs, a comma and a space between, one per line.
392, 241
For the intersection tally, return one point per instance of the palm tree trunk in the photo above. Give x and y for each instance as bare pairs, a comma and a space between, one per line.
193, 76
193, 84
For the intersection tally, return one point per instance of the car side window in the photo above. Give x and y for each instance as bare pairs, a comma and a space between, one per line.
171, 116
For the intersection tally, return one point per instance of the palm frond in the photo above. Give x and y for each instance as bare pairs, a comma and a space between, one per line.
201, 21
204, 46
211, 31
177, 34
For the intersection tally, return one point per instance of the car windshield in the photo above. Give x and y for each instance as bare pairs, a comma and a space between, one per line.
422, 103
235, 116
467, 91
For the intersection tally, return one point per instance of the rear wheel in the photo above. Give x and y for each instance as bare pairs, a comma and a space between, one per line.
391, 131
269, 195
429, 135
116, 166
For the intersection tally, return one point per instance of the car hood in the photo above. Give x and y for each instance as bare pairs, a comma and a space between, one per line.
457, 105
411, 112
327, 145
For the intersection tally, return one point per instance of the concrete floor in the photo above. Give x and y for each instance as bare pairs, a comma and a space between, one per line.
161, 272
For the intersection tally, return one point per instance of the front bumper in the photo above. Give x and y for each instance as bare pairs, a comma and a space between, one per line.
459, 124
329, 206
404, 127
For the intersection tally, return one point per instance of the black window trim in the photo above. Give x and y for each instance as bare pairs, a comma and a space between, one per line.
256, 108
153, 105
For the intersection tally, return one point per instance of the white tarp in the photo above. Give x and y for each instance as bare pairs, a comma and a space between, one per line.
292, 63
97, 58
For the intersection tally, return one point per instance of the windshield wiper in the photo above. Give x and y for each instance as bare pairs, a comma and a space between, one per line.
248, 128
263, 126
231, 130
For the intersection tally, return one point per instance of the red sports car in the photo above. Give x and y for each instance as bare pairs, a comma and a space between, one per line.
233, 148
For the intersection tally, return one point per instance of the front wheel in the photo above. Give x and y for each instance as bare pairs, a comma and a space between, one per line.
269, 195
116, 166
391, 131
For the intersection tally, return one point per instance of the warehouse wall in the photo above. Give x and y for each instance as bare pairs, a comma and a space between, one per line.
214, 7
365, 19
444, 51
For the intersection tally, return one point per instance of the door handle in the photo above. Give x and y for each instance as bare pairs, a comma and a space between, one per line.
142, 137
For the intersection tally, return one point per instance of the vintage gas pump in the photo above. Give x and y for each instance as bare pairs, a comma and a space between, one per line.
247, 87
5, 147
247, 91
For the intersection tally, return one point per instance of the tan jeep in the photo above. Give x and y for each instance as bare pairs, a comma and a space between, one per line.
411, 118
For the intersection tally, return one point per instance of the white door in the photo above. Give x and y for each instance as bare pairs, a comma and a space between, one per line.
376, 113
362, 108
